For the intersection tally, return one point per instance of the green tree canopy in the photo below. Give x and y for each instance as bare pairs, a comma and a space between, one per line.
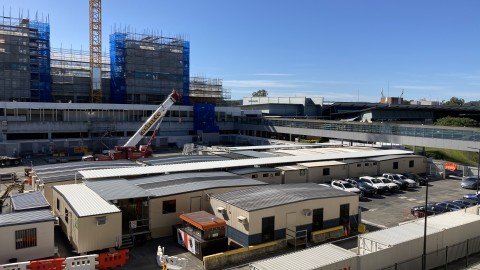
260, 93
456, 122
454, 101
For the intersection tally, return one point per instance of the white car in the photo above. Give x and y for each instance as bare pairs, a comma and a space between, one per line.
392, 187
411, 183
376, 183
346, 186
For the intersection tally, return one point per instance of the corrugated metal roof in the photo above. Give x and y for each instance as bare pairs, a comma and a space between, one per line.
181, 159
26, 217
399, 234
255, 154
449, 220
117, 189
211, 165
254, 170
290, 168
84, 201
389, 157
322, 163
277, 146
171, 184
66, 172
26, 201
262, 197
312, 258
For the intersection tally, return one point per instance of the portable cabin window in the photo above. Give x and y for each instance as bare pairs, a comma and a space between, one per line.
302, 172
101, 220
411, 163
395, 165
367, 164
344, 213
265, 175
277, 174
326, 171
374, 163
317, 219
254, 175
66, 215
58, 204
169, 206
26, 238
359, 165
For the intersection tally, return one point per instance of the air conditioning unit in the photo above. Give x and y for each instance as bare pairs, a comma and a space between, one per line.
221, 209
242, 219
307, 212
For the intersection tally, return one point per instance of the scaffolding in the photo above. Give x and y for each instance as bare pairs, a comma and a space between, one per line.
207, 90
70, 75
24, 59
146, 67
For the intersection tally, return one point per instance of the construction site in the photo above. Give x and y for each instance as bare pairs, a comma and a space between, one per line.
139, 68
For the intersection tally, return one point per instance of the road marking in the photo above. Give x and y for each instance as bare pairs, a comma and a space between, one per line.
374, 224
371, 210
402, 197
411, 199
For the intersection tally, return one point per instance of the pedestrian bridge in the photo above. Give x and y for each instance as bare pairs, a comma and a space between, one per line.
459, 138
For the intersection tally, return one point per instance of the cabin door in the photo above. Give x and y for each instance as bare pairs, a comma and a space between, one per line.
195, 204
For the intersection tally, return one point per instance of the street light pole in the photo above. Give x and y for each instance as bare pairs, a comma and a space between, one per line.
424, 257
478, 165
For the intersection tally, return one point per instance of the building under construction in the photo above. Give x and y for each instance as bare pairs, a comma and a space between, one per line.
24, 60
139, 68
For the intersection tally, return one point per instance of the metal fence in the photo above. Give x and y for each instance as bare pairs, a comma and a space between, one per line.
458, 256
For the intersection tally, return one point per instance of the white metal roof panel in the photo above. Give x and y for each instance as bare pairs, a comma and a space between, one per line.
450, 220
312, 258
276, 146
211, 165
399, 234
322, 163
117, 189
84, 201
256, 154
28, 201
26, 217
268, 196
254, 170
290, 168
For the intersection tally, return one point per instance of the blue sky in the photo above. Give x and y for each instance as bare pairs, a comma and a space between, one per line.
341, 50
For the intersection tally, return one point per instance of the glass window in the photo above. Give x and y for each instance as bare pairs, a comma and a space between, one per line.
395, 165
58, 204
66, 215
303, 172
277, 174
254, 175
326, 171
169, 206
359, 165
265, 175
26, 238
411, 163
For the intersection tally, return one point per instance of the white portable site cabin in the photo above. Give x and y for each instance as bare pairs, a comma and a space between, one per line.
90, 222
321, 171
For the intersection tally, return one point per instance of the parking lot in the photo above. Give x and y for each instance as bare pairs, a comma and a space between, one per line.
389, 210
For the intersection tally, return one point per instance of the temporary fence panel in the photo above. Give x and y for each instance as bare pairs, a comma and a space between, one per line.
50, 264
15, 266
87, 262
111, 260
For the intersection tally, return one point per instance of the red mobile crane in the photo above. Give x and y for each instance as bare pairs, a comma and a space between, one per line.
129, 150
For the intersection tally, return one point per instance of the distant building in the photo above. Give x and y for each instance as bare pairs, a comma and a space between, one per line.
284, 106
391, 100
425, 102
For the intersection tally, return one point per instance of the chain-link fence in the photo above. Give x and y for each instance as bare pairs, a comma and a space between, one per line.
458, 256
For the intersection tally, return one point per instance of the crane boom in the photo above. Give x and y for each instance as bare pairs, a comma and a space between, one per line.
154, 118
95, 21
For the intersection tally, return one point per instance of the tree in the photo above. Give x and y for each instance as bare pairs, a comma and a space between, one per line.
260, 93
456, 122
473, 103
454, 101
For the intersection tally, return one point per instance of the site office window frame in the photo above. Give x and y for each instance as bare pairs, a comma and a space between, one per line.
169, 206
26, 238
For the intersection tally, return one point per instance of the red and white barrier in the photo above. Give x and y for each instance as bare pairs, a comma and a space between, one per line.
15, 266
87, 262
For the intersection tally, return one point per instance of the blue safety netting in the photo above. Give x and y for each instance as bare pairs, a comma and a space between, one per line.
40, 86
204, 118
186, 73
118, 88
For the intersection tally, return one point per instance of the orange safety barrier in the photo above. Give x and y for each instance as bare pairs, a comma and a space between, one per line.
50, 264
111, 260
450, 166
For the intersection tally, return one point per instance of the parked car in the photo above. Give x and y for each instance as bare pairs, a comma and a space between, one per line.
457, 174
374, 182
422, 181
466, 202
475, 197
397, 180
470, 182
392, 187
411, 183
452, 206
432, 209
368, 191
344, 185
